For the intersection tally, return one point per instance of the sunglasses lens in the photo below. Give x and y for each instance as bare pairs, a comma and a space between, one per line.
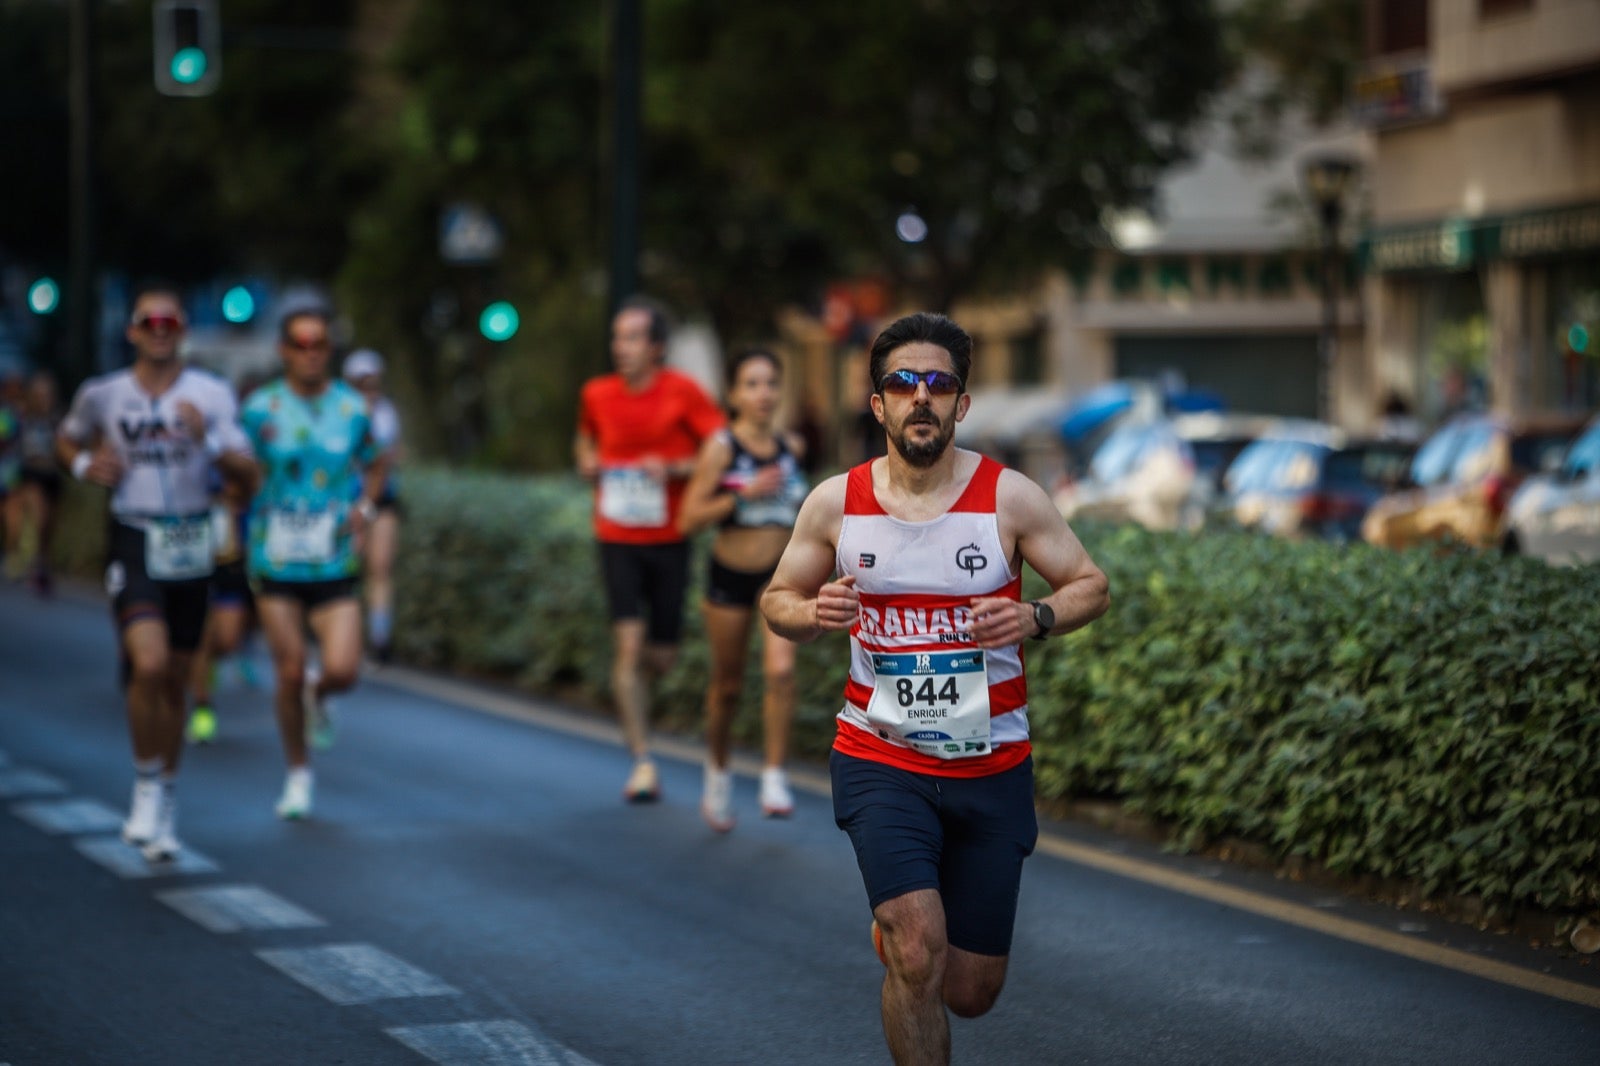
905, 382
155, 323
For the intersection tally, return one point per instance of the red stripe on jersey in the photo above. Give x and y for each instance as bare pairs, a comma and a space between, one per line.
979, 495
857, 742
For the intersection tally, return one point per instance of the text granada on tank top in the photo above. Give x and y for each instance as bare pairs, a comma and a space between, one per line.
910, 655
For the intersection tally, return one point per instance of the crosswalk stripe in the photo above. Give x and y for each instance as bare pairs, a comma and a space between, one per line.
231, 908
68, 815
354, 973
18, 781
125, 860
496, 1043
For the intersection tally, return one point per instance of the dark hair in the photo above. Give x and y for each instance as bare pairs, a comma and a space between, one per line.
744, 355
660, 321
321, 314
155, 287
923, 326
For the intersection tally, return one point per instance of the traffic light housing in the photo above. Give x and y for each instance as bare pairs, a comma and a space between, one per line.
188, 47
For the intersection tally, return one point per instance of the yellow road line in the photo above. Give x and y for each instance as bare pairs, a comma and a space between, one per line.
1311, 918
1319, 921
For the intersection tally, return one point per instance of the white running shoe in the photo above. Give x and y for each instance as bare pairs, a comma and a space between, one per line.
144, 813
295, 803
776, 799
716, 799
319, 716
164, 845
644, 783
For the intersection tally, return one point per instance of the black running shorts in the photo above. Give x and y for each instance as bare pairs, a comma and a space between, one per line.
136, 596
647, 581
727, 587
964, 837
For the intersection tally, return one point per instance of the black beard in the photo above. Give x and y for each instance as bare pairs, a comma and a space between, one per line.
919, 454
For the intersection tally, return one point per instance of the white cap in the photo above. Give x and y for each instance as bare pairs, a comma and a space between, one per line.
363, 362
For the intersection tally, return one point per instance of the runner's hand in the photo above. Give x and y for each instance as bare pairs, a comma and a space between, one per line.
999, 623
837, 604
193, 422
105, 468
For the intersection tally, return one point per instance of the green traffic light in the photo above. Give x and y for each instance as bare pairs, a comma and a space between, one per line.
238, 306
499, 321
44, 296
188, 65
1578, 338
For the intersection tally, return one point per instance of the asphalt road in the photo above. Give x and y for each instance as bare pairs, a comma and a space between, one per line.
471, 889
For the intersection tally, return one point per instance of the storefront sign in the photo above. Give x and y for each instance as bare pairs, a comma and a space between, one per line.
1447, 246
1575, 229
1457, 244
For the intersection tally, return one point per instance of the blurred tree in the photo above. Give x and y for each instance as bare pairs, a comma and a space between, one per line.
33, 132
1005, 125
1307, 55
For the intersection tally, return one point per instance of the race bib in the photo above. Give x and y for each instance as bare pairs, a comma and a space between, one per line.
293, 537
631, 497
935, 701
178, 549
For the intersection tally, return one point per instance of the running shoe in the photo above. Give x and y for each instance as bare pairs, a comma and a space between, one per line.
164, 845
877, 942
202, 727
644, 784
295, 803
776, 799
144, 813
319, 717
716, 799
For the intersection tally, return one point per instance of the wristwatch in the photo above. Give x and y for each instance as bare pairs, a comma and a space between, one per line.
1044, 616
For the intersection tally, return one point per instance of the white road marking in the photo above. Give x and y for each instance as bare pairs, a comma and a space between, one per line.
230, 908
355, 973
21, 781
68, 815
498, 1043
125, 861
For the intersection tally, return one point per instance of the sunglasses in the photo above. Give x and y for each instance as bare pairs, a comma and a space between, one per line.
316, 344
905, 382
158, 323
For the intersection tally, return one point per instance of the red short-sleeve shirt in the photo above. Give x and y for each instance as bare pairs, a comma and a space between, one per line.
667, 420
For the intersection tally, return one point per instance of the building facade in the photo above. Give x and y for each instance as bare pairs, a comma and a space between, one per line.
1482, 260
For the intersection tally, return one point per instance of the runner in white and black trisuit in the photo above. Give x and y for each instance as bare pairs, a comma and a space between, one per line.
150, 434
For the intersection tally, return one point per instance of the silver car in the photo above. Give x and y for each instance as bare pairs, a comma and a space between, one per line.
1556, 516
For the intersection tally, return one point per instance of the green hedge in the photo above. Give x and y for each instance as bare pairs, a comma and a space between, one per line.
1428, 718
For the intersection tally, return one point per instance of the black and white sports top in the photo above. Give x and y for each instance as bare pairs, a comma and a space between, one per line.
776, 510
167, 471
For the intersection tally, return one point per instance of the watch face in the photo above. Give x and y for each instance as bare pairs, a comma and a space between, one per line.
1044, 617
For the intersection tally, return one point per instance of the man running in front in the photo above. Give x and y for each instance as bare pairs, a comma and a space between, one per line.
150, 434
919, 556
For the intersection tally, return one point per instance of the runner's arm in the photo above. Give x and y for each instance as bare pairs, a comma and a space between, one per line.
704, 501
1079, 593
801, 602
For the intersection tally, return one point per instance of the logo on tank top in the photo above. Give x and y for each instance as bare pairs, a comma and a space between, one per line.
867, 561
971, 559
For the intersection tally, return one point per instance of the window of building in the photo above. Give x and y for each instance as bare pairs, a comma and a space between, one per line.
1396, 26
1027, 357
1488, 9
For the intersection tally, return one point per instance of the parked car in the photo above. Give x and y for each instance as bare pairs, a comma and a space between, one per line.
1462, 479
1308, 481
1159, 472
1556, 517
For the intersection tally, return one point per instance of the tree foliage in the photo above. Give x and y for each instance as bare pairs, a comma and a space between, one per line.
1007, 126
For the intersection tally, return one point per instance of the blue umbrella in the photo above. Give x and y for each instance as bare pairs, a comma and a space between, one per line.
1094, 408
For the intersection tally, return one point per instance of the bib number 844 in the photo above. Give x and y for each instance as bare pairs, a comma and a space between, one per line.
909, 693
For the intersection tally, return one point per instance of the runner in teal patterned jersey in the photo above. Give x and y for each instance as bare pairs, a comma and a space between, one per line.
313, 454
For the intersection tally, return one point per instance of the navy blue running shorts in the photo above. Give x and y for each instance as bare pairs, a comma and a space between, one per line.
310, 594
963, 837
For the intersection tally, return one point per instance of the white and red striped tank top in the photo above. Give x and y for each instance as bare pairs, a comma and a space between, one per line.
917, 581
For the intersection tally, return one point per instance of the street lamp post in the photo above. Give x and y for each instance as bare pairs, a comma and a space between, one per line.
1327, 180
